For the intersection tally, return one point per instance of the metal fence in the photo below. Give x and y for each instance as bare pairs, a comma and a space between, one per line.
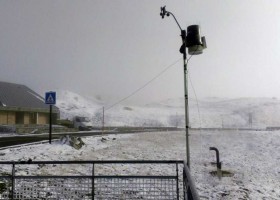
99, 180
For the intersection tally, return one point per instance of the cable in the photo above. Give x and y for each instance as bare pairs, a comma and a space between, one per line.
197, 105
137, 90
202, 142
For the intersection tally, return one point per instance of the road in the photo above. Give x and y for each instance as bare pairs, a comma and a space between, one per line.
6, 141
23, 139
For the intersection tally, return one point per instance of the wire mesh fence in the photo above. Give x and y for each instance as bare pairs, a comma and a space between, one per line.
99, 180
163, 188
52, 188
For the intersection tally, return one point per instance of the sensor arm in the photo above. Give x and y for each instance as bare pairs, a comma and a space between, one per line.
164, 12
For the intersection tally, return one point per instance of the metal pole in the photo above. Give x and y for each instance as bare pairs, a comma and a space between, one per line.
103, 121
13, 181
50, 129
187, 112
183, 51
92, 183
177, 181
219, 164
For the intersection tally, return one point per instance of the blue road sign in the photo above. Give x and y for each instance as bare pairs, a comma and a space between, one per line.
50, 98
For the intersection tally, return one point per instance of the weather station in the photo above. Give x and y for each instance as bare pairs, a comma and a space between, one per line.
190, 39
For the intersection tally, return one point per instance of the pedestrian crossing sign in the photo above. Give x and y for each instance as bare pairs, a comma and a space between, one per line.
50, 98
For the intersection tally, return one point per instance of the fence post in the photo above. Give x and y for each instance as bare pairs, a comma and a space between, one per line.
13, 181
184, 183
177, 184
191, 190
92, 181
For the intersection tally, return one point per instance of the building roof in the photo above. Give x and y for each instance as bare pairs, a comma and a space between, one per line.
20, 96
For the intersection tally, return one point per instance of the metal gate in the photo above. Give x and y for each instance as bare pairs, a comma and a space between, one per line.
99, 180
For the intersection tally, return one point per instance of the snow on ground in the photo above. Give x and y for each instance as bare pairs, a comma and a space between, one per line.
251, 156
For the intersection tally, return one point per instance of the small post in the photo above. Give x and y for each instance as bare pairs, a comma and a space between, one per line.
50, 129
219, 164
103, 121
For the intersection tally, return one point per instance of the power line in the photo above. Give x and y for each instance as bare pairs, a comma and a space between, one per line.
140, 88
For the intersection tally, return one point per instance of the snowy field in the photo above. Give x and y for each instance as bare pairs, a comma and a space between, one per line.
251, 156
205, 113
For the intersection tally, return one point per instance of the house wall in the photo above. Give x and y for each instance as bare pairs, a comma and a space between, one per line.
7, 117
11, 117
3, 117
19, 117
43, 118
33, 118
26, 118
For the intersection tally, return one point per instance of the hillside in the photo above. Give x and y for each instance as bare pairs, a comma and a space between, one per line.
206, 113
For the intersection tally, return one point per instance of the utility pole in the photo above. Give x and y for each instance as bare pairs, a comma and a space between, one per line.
103, 121
191, 40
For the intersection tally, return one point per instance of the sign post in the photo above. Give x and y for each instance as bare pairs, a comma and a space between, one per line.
50, 99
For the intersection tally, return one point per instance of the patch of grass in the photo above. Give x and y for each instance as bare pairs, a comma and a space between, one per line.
224, 173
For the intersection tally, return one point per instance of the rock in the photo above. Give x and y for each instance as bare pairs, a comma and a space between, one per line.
75, 142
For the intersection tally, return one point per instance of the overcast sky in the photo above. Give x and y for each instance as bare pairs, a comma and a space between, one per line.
111, 48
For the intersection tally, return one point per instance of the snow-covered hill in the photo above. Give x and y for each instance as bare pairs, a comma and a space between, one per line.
206, 113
